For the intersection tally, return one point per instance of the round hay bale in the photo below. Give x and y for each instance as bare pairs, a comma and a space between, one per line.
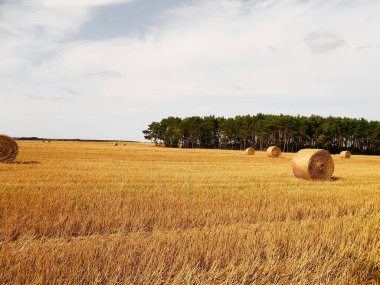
8, 149
250, 151
313, 164
345, 154
273, 151
115, 144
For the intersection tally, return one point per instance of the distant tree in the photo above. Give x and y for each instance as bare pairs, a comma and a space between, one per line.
291, 133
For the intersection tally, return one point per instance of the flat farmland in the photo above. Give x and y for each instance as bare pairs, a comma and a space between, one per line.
95, 213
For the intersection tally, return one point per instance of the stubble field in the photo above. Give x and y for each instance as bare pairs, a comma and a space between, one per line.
93, 213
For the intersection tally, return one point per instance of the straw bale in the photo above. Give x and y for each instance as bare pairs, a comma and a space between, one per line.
8, 149
273, 151
345, 154
313, 164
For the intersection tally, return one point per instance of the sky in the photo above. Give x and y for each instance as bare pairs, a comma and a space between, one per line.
105, 69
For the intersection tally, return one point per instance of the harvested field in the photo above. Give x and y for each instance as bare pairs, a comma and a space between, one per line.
88, 213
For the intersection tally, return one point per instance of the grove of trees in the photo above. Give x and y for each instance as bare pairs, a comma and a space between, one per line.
290, 133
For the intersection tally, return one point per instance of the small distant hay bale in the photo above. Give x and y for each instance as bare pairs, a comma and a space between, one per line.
250, 151
273, 151
115, 144
313, 164
8, 149
345, 154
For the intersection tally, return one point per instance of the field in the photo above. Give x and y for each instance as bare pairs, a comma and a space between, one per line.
94, 213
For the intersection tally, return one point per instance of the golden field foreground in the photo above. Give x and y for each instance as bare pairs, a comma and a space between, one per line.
94, 213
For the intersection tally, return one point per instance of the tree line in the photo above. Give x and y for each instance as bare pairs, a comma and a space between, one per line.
260, 131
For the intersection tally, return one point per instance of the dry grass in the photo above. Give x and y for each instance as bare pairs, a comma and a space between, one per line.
89, 213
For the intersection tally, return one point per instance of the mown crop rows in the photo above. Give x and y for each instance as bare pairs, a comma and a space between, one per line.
95, 213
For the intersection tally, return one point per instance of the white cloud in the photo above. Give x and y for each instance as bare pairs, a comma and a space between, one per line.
79, 3
210, 57
32, 31
319, 42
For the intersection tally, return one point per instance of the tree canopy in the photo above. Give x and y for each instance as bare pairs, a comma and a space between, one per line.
260, 131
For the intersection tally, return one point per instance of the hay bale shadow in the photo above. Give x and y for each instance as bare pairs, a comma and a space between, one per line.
25, 162
335, 178
314, 180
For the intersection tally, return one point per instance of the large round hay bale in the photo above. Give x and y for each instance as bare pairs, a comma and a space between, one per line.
273, 151
250, 151
313, 164
115, 144
8, 149
345, 154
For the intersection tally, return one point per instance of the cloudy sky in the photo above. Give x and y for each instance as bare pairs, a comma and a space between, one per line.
106, 68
